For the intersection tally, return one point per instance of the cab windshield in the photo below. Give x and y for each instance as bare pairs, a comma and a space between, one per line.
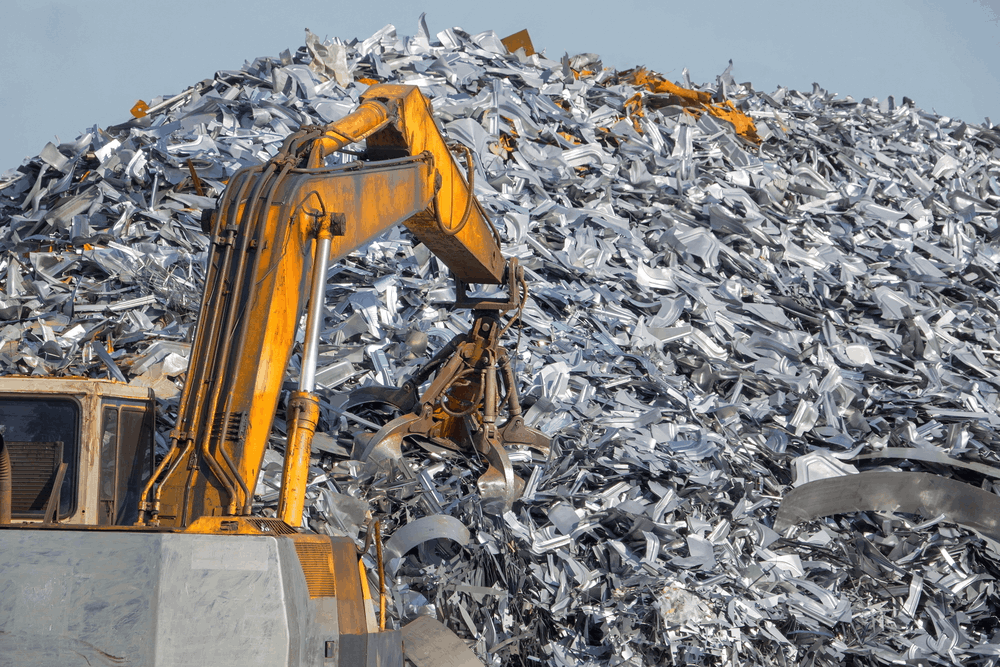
38, 428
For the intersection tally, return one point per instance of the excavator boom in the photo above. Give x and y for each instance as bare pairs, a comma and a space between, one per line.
273, 226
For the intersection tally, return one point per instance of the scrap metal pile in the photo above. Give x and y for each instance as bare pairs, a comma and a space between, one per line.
714, 324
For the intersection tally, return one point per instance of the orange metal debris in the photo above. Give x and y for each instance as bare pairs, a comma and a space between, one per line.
743, 123
655, 83
519, 40
694, 101
569, 137
194, 179
139, 109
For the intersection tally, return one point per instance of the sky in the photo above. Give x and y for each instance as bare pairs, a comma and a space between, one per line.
66, 65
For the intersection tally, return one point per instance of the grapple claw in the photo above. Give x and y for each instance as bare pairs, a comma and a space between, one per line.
516, 432
498, 487
473, 380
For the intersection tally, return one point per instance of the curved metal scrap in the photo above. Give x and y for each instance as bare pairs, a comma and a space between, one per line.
402, 398
499, 487
436, 527
460, 407
910, 492
387, 443
930, 456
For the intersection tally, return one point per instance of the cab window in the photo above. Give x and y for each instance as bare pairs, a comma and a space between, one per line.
40, 432
126, 462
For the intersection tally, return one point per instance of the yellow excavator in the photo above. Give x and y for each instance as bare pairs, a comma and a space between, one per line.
106, 560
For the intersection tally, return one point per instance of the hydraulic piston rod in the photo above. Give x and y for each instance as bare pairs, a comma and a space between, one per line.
303, 408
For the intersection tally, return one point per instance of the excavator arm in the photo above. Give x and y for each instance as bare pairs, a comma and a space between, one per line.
276, 228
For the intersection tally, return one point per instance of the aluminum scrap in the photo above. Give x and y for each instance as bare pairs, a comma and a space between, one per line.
703, 312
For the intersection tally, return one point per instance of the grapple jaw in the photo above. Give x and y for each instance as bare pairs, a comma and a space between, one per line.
471, 382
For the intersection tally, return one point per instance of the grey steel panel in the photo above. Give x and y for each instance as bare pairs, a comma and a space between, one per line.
429, 643
385, 649
238, 592
73, 598
323, 643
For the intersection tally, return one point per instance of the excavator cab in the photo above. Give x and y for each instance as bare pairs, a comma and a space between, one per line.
79, 449
227, 591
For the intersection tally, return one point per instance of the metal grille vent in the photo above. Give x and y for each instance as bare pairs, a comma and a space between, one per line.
317, 565
275, 526
234, 431
33, 465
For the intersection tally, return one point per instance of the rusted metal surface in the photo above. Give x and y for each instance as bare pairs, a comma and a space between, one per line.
350, 598
461, 406
34, 466
381, 575
52, 505
79, 387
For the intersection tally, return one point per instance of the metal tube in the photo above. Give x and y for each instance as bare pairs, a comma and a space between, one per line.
210, 311
314, 318
205, 412
212, 308
240, 344
510, 383
220, 338
490, 392
206, 317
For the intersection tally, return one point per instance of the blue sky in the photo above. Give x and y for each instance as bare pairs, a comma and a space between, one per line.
68, 65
